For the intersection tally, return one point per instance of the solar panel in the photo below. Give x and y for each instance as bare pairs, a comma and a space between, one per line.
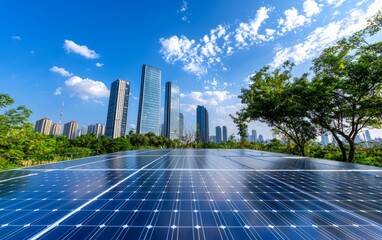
192, 194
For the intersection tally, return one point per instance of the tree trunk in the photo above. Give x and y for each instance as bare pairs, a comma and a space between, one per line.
341, 146
351, 151
302, 149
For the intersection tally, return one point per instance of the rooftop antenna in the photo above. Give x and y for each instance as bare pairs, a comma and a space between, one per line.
61, 112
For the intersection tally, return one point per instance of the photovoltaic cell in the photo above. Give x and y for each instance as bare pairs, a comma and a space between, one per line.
192, 194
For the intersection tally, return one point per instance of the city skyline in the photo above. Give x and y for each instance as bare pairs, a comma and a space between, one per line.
208, 55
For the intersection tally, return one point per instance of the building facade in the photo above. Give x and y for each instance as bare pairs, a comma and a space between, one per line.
117, 110
225, 139
43, 126
218, 135
149, 101
171, 111
181, 125
97, 129
202, 124
56, 129
70, 129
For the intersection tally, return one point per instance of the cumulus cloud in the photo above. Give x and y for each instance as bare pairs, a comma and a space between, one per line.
82, 50
323, 37
248, 33
311, 8
99, 64
87, 89
60, 71
197, 56
336, 3
58, 91
18, 38
183, 10
208, 98
292, 20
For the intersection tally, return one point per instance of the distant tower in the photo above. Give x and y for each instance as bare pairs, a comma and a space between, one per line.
225, 134
261, 139
149, 101
70, 129
181, 125
368, 136
254, 136
202, 124
117, 111
171, 111
325, 139
218, 130
43, 126
96, 129
56, 129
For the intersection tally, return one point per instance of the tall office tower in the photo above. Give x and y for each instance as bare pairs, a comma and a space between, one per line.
43, 126
225, 134
70, 129
149, 101
325, 139
368, 136
117, 111
254, 136
181, 125
218, 130
171, 111
97, 129
261, 139
56, 129
162, 131
202, 125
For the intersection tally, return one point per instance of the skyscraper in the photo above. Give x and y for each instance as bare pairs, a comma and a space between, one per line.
225, 134
97, 129
254, 136
368, 136
70, 129
43, 126
117, 110
261, 139
56, 129
171, 111
202, 125
181, 125
325, 139
218, 130
149, 101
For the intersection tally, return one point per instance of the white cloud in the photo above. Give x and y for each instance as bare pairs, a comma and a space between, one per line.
325, 36
183, 10
82, 50
86, 88
60, 71
311, 8
247, 33
18, 38
207, 98
292, 20
197, 56
336, 3
99, 64
58, 91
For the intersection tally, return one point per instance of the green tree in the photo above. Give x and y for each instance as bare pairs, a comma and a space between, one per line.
270, 99
241, 121
345, 95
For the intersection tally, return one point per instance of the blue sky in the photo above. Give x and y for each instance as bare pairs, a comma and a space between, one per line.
70, 51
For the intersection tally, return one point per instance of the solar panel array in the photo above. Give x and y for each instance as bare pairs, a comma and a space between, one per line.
192, 194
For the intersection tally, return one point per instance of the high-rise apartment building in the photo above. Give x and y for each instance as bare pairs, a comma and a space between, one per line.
97, 129
218, 130
225, 134
149, 101
117, 110
56, 129
70, 129
202, 125
171, 111
181, 125
43, 126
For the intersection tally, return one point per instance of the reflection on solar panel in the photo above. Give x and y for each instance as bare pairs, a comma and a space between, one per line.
192, 194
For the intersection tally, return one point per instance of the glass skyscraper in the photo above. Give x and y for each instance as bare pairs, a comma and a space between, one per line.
181, 125
224, 134
171, 111
218, 130
118, 107
202, 125
149, 101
